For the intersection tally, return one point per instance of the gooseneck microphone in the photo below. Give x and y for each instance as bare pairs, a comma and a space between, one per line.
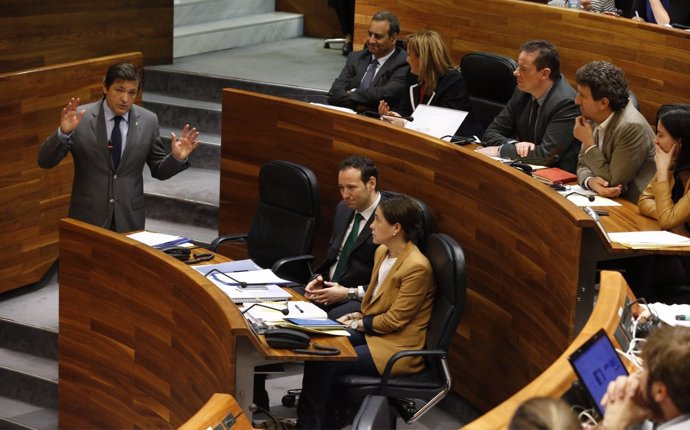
284, 311
595, 216
372, 114
590, 198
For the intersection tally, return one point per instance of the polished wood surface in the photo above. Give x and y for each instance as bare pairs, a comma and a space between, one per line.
556, 380
145, 340
522, 240
32, 200
656, 59
43, 33
213, 412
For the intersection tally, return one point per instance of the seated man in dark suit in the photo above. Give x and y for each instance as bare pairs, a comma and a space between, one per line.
345, 273
536, 125
375, 73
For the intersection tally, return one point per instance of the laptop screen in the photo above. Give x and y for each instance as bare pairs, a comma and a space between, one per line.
596, 363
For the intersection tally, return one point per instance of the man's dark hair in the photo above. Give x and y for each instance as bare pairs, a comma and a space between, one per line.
547, 56
666, 355
124, 71
365, 165
393, 21
605, 80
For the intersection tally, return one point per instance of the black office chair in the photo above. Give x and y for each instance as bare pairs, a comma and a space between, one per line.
286, 218
435, 381
374, 414
490, 83
303, 263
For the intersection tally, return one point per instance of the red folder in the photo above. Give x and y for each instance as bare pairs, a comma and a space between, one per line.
554, 174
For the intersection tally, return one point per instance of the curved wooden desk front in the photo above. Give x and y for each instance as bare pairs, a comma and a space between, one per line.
145, 341
529, 275
556, 380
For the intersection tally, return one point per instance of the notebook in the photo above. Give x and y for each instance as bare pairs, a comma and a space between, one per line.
554, 174
597, 363
227, 277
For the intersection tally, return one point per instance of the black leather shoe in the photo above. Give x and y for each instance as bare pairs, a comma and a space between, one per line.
347, 48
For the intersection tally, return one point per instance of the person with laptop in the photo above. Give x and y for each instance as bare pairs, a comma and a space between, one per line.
342, 277
536, 125
376, 73
660, 393
433, 80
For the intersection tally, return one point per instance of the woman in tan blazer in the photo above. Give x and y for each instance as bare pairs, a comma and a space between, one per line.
395, 312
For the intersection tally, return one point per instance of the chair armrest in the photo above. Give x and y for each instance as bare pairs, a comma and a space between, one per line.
297, 268
227, 238
401, 354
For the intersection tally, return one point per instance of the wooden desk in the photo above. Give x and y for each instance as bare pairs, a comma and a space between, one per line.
556, 380
145, 340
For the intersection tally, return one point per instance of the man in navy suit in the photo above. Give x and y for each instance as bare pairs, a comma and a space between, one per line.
110, 140
376, 73
346, 271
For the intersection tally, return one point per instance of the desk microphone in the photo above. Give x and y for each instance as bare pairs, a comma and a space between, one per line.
372, 114
595, 216
590, 198
284, 311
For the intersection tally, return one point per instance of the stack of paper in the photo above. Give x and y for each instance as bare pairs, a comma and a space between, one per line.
159, 240
245, 282
297, 309
649, 239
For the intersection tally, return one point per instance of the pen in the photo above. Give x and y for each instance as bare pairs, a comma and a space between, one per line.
683, 317
298, 308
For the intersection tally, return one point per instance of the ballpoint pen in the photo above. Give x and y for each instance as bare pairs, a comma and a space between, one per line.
298, 308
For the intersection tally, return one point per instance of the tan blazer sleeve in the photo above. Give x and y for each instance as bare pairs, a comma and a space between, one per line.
668, 214
646, 203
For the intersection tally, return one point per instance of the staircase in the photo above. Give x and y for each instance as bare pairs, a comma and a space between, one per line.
28, 356
213, 25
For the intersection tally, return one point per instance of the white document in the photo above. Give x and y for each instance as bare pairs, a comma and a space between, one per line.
649, 239
436, 121
581, 201
297, 309
160, 240
338, 108
668, 313
254, 277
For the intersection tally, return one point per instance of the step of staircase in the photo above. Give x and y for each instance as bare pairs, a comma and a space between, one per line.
234, 32
28, 355
188, 12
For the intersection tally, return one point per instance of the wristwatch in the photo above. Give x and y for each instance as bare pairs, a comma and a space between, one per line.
354, 324
352, 294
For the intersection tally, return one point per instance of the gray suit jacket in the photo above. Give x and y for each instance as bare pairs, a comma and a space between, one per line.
389, 84
98, 190
626, 156
555, 144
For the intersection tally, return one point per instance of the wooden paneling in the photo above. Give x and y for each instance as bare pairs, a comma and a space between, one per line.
522, 241
32, 200
656, 59
144, 340
43, 33
214, 412
319, 19
556, 380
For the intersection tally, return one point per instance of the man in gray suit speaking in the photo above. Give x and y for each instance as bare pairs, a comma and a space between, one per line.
110, 140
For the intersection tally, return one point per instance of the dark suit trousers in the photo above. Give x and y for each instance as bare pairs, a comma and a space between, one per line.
313, 411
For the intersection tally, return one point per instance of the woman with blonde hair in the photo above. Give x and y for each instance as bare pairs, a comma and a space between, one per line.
544, 413
434, 80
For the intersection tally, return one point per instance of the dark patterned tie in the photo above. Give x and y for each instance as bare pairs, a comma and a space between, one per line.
347, 247
116, 141
369, 75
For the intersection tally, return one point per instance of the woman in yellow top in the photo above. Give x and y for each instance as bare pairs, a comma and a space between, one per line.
395, 312
666, 198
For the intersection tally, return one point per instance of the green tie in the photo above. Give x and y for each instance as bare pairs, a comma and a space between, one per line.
347, 246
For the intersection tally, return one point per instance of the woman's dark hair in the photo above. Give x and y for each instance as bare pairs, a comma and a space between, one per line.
676, 120
403, 210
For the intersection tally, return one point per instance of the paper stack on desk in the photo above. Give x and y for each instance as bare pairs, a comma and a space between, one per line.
649, 239
261, 283
159, 240
297, 309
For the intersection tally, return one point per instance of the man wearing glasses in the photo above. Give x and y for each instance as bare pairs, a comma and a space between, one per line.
376, 73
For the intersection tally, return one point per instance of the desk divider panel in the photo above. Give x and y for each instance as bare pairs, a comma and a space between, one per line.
32, 200
522, 241
144, 341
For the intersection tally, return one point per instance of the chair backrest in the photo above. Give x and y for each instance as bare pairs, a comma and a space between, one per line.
428, 223
286, 218
448, 262
490, 83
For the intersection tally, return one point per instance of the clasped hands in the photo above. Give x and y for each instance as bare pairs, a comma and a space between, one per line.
624, 402
350, 318
388, 115
325, 292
